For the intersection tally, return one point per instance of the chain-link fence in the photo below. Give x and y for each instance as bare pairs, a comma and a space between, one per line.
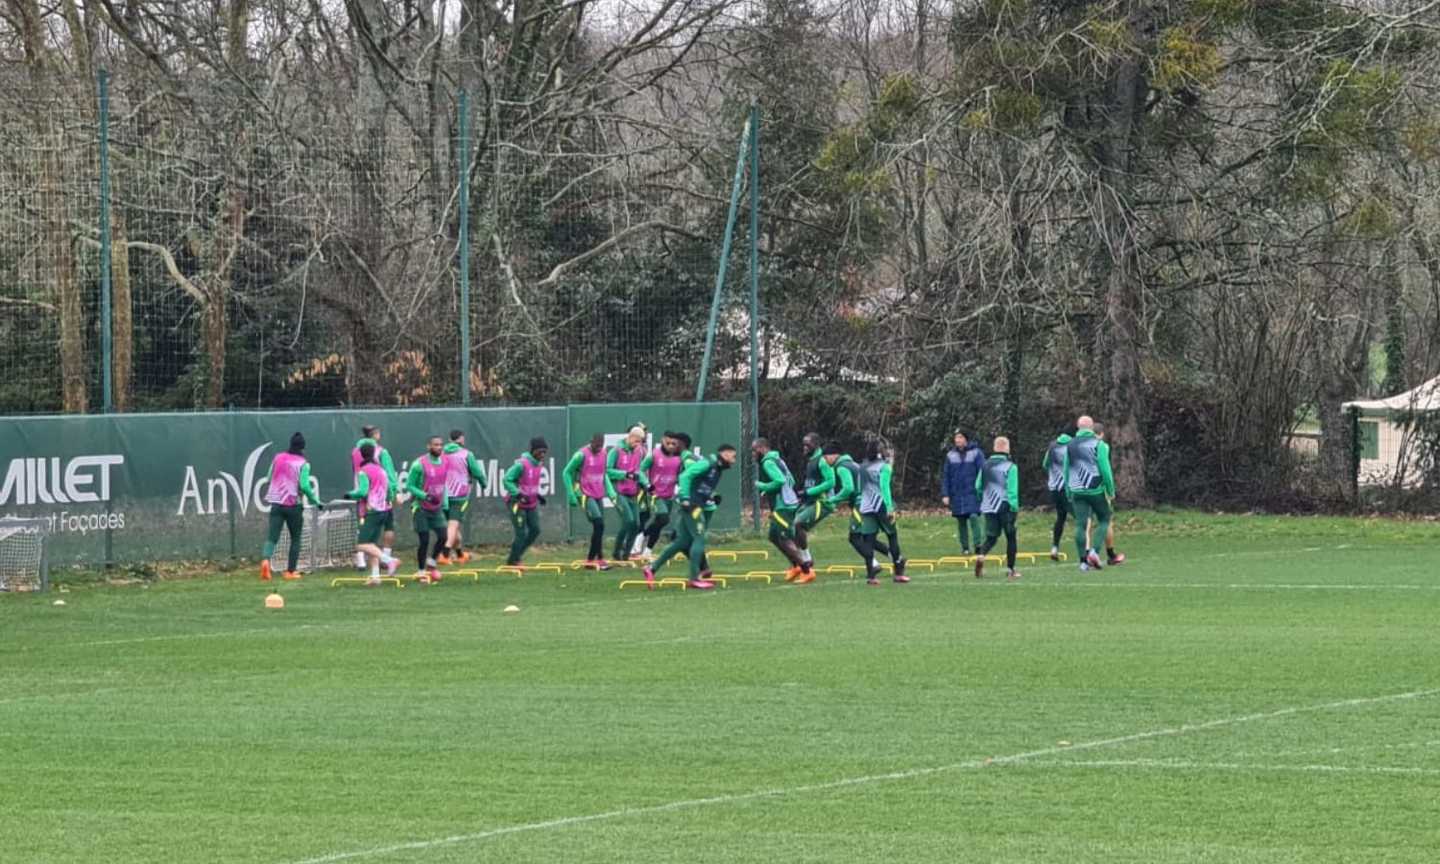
319, 261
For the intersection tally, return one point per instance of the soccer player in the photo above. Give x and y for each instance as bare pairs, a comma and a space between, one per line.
461, 467
999, 489
662, 469
371, 435
1090, 484
957, 488
877, 513
814, 498
522, 496
1112, 557
694, 492
289, 479
623, 467
1054, 464
426, 482
847, 478
372, 487
587, 484
777, 484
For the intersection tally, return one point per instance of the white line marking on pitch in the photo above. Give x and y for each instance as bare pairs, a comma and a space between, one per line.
909, 774
174, 637
1182, 765
1246, 586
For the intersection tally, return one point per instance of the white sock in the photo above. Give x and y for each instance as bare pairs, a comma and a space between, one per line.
805, 556
375, 571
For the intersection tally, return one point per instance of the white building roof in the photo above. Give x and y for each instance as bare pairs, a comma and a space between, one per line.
1426, 397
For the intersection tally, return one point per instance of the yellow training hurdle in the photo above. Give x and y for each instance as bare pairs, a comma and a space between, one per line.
361, 580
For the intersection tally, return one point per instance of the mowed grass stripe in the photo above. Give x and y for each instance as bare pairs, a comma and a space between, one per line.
372, 717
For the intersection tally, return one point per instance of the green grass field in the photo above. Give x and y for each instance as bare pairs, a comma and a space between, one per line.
1247, 689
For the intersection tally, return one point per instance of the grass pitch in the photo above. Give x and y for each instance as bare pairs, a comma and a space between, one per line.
1246, 689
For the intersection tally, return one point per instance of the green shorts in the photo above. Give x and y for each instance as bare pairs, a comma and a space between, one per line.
874, 523
456, 511
782, 521
428, 520
376, 523
594, 509
812, 514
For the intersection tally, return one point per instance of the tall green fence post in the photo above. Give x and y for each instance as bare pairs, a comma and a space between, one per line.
464, 158
106, 336
107, 348
724, 260
755, 289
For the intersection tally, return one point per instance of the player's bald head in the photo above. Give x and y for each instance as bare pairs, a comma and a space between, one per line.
1002, 445
1085, 422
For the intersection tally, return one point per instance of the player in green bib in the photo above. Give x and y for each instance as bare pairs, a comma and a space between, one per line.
847, 494
998, 486
1091, 485
815, 496
877, 513
777, 485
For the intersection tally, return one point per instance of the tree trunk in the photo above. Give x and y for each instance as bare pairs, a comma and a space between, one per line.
1119, 337
73, 358
122, 315
55, 225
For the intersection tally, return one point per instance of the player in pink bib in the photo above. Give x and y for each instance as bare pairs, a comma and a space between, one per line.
461, 467
624, 469
372, 490
587, 485
523, 482
289, 481
426, 482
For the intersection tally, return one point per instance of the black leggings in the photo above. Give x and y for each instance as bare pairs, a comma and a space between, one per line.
597, 540
652, 531
995, 525
421, 552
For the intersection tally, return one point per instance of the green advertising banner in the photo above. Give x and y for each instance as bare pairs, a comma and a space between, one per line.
192, 486
134, 488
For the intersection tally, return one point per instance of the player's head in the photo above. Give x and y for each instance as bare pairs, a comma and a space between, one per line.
960, 439
367, 454
597, 442
1099, 429
371, 432
1085, 422
759, 447
832, 453
726, 455
874, 450
437, 445
1001, 445
297, 443
811, 441
1070, 430
538, 448
683, 439
636, 437
457, 436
